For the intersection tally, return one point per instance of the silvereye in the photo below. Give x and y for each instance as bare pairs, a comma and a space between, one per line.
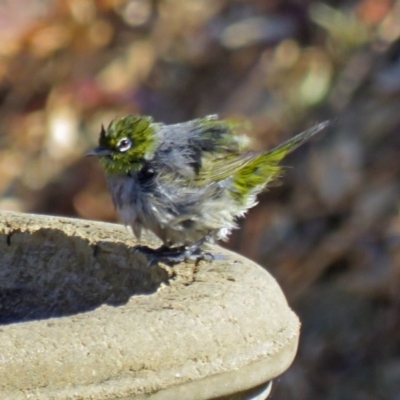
188, 183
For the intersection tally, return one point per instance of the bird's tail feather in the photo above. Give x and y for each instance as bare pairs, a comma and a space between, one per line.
263, 168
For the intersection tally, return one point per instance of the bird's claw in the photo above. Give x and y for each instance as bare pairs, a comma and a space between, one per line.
175, 255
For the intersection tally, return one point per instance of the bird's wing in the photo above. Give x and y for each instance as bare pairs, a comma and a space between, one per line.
191, 148
214, 169
251, 170
264, 167
211, 134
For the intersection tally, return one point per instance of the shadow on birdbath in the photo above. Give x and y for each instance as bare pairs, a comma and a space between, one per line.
54, 268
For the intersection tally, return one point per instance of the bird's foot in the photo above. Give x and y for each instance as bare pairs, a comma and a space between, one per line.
175, 255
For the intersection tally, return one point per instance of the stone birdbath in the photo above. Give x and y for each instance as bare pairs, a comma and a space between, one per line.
83, 316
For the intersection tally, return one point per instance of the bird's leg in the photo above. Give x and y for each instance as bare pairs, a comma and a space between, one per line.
195, 252
175, 255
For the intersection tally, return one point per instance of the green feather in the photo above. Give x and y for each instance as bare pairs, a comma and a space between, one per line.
250, 171
220, 136
261, 169
140, 131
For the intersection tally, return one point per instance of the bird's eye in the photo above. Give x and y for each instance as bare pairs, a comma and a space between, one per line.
124, 144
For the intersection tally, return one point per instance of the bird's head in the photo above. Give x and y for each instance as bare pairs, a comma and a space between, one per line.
126, 144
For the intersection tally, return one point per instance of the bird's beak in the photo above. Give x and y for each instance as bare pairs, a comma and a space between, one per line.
98, 151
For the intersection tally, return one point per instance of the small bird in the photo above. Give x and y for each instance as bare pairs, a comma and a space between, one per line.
187, 182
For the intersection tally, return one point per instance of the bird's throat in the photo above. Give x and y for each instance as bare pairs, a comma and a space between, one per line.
114, 166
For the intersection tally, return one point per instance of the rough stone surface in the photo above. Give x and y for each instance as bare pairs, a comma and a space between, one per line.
84, 317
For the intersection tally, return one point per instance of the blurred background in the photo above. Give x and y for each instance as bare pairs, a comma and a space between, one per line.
329, 233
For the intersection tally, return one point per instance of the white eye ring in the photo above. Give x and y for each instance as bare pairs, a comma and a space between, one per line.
124, 144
